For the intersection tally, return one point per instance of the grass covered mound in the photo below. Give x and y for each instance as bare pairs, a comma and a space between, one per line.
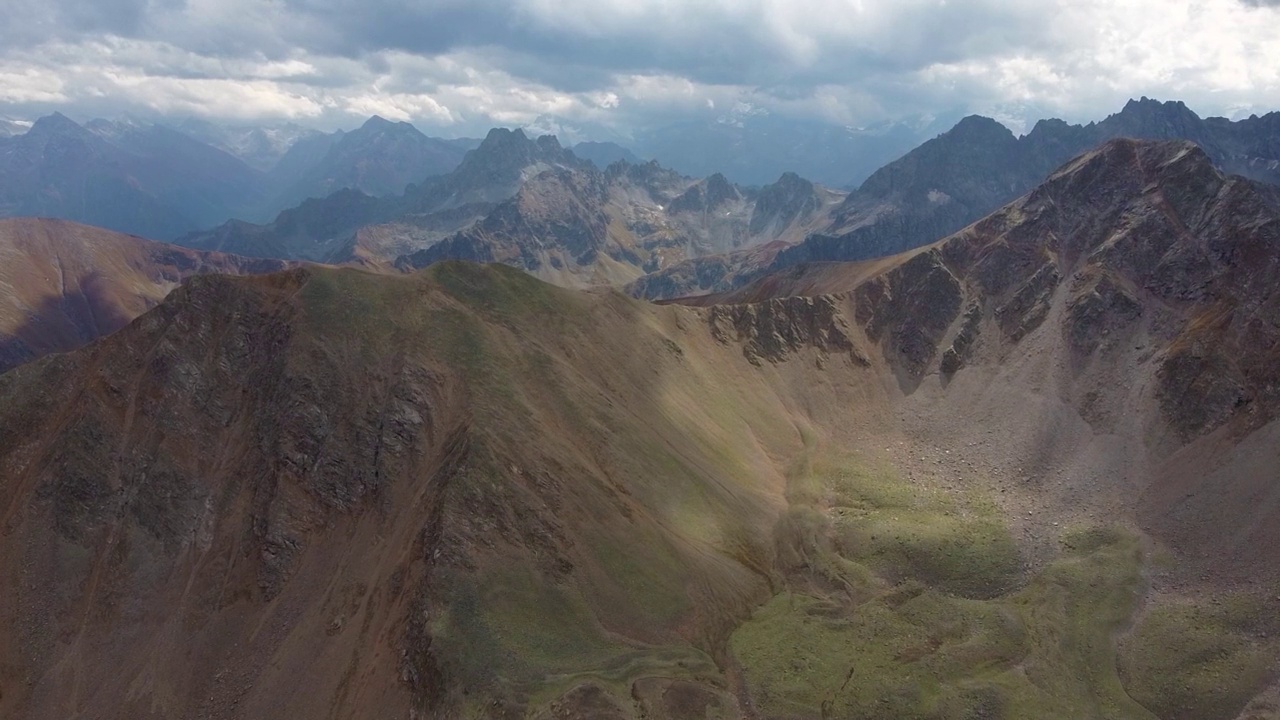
1201, 659
906, 603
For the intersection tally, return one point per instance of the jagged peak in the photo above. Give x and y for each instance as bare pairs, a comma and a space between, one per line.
1049, 125
502, 145
1146, 103
549, 144
1174, 112
717, 183
504, 136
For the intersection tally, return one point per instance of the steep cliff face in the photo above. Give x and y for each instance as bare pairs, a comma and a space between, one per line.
779, 328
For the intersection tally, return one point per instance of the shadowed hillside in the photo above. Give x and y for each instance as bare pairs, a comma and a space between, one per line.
67, 284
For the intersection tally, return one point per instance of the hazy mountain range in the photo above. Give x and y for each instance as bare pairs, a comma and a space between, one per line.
160, 182
164, 181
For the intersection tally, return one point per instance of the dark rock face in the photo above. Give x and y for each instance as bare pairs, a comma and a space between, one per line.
1030, 304
962, 346
775, 329
707, 196
1099, 307
1200, 390
910, 309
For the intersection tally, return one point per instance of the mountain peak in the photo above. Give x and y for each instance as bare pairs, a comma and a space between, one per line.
1148, 117
979, 126
56, 123
549, 144
376, 122
504, 136
512, 148
1151, 159
791, 180
1145, 103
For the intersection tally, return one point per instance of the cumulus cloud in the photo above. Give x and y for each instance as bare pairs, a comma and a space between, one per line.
458, 66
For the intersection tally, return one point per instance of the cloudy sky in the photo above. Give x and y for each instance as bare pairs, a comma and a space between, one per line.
456, 67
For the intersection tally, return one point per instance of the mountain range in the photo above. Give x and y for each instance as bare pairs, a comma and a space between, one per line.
754, 147
969, 171
1024, 470
164, 181
260, 146
532, 203
381, 158
537, 206
160, 182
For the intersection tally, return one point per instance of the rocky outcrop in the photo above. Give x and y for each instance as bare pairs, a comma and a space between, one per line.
910, 309
706, 197
774, 330
1100, 310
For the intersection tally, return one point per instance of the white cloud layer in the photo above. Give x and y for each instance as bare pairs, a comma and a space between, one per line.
459, 66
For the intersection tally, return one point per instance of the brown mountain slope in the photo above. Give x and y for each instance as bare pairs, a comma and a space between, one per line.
465, 493
65, 284
335, 494
1137, 279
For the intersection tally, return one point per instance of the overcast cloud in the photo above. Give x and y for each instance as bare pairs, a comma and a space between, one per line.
456, 67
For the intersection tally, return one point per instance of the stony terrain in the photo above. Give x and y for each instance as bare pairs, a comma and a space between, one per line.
1027, 471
